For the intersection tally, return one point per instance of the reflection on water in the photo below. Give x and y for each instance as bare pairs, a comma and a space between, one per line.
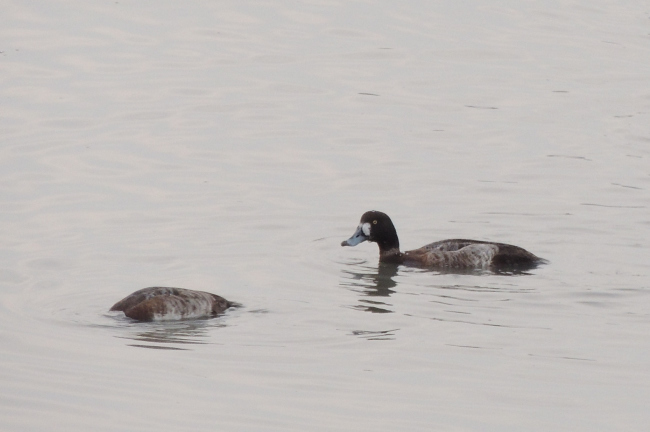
372, 306
376, 335
373, 282
378, 282
163, 335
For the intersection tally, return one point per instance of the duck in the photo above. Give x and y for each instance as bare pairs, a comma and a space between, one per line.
166, 304
377, 227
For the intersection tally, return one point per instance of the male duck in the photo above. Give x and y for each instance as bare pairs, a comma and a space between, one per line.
164, 304
377, 227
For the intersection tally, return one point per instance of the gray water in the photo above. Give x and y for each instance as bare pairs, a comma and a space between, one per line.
231, 146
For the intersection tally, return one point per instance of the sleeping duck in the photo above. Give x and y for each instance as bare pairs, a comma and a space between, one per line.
164, 304
377, 227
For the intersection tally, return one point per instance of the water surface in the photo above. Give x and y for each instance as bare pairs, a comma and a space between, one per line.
231, 146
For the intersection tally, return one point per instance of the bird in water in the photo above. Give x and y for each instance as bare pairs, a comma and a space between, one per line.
377, 227
165, 304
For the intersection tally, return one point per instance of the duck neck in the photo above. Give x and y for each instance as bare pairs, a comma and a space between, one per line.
389, 248
392, 255
388, 241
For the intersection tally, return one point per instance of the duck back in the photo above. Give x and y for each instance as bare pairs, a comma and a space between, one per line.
163, 303
464, 253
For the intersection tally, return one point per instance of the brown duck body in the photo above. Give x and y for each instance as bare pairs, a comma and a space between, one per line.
461, 253
446, 254
163, 304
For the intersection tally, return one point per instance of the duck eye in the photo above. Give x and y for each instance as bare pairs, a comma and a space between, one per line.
374, 222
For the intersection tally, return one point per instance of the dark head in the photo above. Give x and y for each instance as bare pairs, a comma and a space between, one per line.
377, 227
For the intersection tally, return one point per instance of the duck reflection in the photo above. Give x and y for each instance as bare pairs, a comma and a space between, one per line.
375, 282
178, 335
372, 282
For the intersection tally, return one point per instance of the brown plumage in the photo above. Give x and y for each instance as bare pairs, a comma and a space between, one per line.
162, 303
377, 227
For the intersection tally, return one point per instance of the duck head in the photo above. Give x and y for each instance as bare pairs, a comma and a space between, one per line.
377, 227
